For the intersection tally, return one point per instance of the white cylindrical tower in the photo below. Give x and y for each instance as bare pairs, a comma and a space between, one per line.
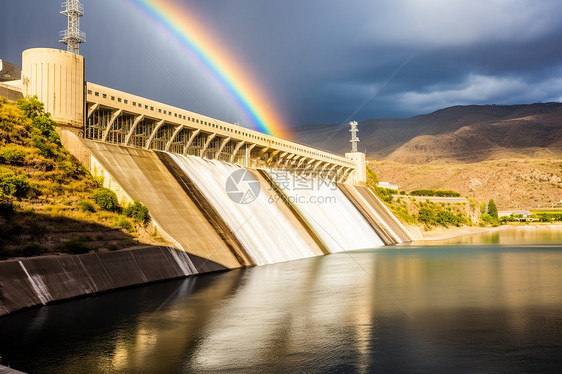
57, 78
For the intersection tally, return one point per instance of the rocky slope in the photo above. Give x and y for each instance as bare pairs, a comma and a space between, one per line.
509, 153
461, 133
521, 183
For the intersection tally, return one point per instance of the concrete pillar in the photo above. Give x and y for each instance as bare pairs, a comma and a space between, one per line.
132, 130
238, 146
191, 138
359, 175
171, 140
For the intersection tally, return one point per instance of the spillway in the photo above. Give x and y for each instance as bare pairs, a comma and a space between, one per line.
332, 216
142, 175
377, 214
257, 216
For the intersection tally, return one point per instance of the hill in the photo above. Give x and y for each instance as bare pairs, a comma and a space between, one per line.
48, 201
509, 153
456, 134
513, 184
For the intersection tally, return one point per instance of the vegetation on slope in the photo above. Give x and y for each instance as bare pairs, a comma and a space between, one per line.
415, 209
412, 209
513, 184
438, 193
48, 201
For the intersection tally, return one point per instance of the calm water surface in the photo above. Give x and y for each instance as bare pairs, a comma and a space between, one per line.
495, 306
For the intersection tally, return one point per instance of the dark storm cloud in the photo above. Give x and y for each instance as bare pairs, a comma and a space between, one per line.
321, 60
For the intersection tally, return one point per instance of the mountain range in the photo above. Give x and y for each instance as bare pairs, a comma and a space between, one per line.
464, 134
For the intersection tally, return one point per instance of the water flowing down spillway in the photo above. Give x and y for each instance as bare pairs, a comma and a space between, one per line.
332, 216
268, 234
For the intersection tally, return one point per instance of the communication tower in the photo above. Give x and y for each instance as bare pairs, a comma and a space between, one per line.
354, 139
72, 36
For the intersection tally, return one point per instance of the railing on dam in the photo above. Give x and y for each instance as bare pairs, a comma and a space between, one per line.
120, 118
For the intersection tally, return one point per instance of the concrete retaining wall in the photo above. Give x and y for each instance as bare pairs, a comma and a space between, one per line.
10, 93
40, 280
7, 370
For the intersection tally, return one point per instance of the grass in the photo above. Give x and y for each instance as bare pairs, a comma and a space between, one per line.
425, 213
47, 198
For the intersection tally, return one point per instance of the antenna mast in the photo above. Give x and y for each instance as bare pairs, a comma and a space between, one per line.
72, 36
354, 139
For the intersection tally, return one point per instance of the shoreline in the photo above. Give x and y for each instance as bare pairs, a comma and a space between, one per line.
456, 232
43, 280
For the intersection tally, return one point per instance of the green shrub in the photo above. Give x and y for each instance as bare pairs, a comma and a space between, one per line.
12, 184
425, 215
138, 212
489, 219
547, 216
403, 213
75, 246
46, 127
12, 154
106, 199
41, 121
86, 206
510, 218
39, 143
32, 249
124, 223
446, 218
438, 193
385, 194
31, 107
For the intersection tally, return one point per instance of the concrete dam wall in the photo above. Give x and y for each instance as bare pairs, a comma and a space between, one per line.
220, 216
40, 280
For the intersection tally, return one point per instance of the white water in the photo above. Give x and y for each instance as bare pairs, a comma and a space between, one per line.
265, 232
332, 216
183, 261
38, 286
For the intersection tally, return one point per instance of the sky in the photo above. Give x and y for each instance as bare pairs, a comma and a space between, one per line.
318, 61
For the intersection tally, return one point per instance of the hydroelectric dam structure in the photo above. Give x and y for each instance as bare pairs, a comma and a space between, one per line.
224, 195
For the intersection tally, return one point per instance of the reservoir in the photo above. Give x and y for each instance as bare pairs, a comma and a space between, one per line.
483, 303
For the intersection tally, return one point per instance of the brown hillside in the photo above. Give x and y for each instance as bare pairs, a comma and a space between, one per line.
523, 183
460, 133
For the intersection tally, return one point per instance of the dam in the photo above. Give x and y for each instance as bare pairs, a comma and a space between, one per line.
226, 196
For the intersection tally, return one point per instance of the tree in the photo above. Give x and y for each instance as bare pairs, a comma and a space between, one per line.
32, 107
492, 209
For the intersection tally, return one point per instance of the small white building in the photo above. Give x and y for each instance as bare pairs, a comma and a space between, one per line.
389, 185
507, 213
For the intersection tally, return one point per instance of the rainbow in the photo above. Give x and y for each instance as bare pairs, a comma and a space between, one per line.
191, 34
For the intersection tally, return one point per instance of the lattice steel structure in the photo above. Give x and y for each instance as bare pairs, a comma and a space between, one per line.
72, 36
354, 139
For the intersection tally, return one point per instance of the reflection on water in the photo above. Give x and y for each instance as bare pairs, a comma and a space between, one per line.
399, 309
529, 235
